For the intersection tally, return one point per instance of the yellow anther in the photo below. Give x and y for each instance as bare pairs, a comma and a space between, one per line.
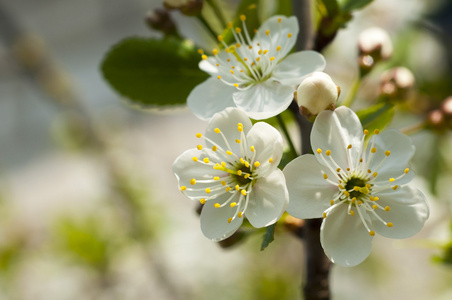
279, 20
238, 30
325, 176
242, 17
368, 186
389, 224
407, 170
360, 160
198, 135
217, 64
229, 220
366, 131
349, 146
219, 77
240, 127
215, 51
242, 160
252, 148
223, 164
319, 150
193, 181
376, 198
232, 72
183, 188
338, 170
360, 202
371, 198
223, 182
391, 179
289, 35
265, 51
346, 193
217, 205
328, 152
340, 186
247, 164
364, 190
220, 38
199, 147
395, 187
369, 171
214, 148
324, 215
202, 201
373, 150
236, 84
233, 204
228, 60
217, 130
257, 164
267, 32
387, 208
348, 169
238, 45
387, 152
375, 174
371, 233
217, 166
204, 56
228, 189
237, 187
332, 202
245, 59
270, 160
216, 178
243, 192
240, 214
230, 25
259, 52
228, 152
352, 213
239, 172
250, 47
206, 160
278, 48
200, 51
208, 190
376, 131
258, 59
374, 206
238, 141
356, 188
195, 158
353, 199
246, 176
272, 58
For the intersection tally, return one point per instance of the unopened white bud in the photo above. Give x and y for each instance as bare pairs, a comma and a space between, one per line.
397, 82
376, 43
317, 93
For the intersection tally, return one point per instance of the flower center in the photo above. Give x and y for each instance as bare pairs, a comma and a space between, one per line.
357, 185
247, 61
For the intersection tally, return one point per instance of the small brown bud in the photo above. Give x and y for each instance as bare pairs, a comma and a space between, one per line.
160, 20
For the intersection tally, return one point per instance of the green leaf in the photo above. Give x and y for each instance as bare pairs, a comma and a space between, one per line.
249, 9
350, 5
331, 6
152, 72
284, 8
269, 236
377, 116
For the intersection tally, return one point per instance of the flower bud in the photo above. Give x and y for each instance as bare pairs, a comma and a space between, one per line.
187, 7
446, 106
396, 83
160, 19
436, 120
376, 43
317, 93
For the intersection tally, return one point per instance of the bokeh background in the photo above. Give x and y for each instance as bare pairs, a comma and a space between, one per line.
89, 207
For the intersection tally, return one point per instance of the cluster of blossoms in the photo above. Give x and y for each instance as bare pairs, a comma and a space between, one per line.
357, 184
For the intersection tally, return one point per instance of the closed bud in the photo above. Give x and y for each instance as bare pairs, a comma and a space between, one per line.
317, 93
187, 7
436, 120
160, 19
396, 83
376, 43
446, 107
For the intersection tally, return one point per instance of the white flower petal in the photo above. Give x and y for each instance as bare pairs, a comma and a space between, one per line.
268, 143
210, 97
402, 150
214, 221
344, 238
264, 100
334, 131
227, 121
294, 67
278, 35
268, 200
408, 213
309, 192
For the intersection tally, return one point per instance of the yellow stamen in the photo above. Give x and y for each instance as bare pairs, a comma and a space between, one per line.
217, 130
204, 56
193, 181
371, 233
387, 208
240, 214
328, 152
389, 224
270, 160
391, 179
324, 215
200, 51
214, 148
364, 190
208, 190
373, 150
375, 174
319, 150
216, 178
238, 141
206, 160
395, 187
387, 152
242, 17
366, 131
228, 152
332, 202
199, 147
229, 220
349, 146
202, 200
407, 170
376, 131
374, 206
183, 188
223, 183
239, 172
233, 204
352, 213
217, 205
195, 158
252, 148
325, 176
243, 192
257, 164
338, 170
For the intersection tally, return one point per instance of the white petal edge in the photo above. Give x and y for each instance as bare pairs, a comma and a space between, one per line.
344, 238
334, 131
309, 192
296, 66
264, 100
210, 97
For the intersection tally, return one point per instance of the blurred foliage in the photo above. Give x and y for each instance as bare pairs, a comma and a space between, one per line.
377, 116
446, 256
